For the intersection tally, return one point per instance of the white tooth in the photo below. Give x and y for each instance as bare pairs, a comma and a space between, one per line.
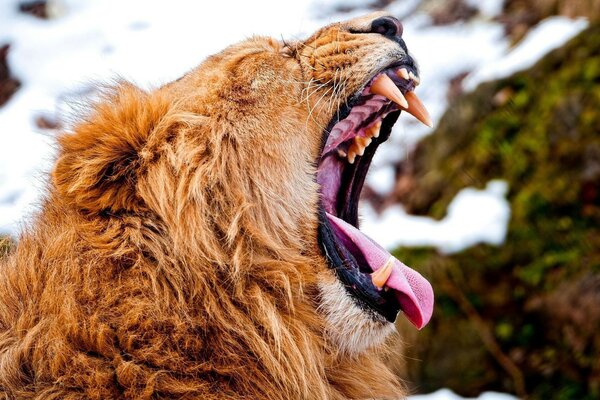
403, 73
382, 275
359, 146
415, 78
351, 156
341, 153
384, 86
373, 130
362, 141
356, 149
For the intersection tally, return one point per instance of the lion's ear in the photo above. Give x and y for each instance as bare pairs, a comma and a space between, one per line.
98, 165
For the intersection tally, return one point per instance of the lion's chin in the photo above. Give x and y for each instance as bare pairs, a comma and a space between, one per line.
349, 327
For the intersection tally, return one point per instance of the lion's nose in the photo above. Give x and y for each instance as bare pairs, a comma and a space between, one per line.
387, 26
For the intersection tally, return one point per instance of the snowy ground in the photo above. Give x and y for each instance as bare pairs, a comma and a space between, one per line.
445, 394
473, 216
152, 42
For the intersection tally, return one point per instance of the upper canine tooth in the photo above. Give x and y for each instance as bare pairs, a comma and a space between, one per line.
403, 73
414, 78
417, 109
385, 86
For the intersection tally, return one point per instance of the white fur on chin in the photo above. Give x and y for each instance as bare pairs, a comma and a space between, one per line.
351, 327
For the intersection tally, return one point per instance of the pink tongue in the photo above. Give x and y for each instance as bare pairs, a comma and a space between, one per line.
414, 293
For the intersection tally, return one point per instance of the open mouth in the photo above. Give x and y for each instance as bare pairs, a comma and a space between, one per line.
373, 277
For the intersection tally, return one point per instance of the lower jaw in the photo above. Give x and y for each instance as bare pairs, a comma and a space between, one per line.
352, 328
357, 284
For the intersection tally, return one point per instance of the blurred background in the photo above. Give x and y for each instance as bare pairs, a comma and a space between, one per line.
498, 205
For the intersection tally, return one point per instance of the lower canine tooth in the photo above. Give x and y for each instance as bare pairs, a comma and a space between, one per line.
342, 153
381, 276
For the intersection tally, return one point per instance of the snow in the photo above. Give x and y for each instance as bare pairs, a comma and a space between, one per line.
382, 179
487, 8
445, 394
474, 216
147, 42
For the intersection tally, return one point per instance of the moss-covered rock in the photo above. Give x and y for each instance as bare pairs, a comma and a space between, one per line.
523, 317
519, 16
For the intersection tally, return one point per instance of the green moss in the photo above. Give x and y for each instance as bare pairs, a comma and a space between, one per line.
540, 131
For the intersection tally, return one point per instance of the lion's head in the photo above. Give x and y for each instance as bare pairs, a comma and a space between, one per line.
247, 172
360, 77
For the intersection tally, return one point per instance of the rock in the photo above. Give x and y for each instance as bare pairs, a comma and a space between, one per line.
520, 15
8, 84
521, 317
37, 8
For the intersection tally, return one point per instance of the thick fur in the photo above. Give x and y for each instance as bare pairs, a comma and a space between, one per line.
175, 255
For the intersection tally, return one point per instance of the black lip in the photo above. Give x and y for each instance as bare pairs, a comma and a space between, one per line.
339, 258
358, 284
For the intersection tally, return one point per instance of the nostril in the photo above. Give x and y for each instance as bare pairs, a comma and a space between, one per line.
387, 26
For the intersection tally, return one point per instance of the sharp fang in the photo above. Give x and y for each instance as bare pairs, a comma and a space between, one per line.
341, 153
381, 276
414, 78
373, 130
403, 73
384, 86
417, 109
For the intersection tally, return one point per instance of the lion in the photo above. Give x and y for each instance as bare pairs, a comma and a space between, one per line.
200, 240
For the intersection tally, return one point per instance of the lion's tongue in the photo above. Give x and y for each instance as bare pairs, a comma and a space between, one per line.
414, 293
